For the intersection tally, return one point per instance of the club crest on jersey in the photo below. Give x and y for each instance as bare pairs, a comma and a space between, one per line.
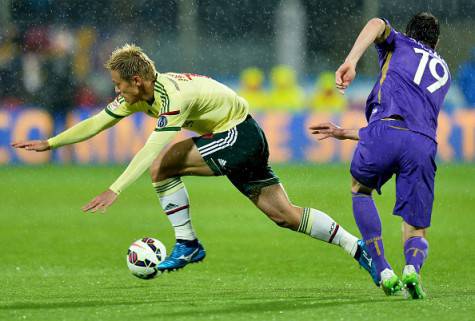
162, 121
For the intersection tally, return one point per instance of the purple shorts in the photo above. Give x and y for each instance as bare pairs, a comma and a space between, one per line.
387, 147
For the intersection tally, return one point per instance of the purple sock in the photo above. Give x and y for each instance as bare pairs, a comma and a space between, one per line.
369, 224
416, 250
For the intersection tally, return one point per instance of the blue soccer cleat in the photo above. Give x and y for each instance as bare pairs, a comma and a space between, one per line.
366, 261
182, 254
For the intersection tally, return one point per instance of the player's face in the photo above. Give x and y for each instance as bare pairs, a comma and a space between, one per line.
127, 89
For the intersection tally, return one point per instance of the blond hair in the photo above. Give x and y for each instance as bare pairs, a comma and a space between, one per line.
130, 61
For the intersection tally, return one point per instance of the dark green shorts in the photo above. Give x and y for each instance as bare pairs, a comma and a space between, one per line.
242, 154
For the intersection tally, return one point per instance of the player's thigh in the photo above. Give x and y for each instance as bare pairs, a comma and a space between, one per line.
274, 202
182, 158
376, 155
415, 182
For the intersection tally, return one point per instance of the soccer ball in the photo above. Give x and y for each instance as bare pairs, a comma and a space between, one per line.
144, 255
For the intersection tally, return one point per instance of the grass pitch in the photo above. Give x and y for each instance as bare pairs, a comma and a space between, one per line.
58, 263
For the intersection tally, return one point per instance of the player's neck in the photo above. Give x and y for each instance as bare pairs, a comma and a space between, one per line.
147, 91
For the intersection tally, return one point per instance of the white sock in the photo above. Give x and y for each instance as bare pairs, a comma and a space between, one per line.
175, 203
321, 226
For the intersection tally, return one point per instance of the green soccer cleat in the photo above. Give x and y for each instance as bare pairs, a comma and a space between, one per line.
412, 282
390, 282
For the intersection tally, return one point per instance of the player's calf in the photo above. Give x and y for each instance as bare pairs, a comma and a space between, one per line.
286, 218
175, 203
416, 250
369, 223
319, 225
273, 201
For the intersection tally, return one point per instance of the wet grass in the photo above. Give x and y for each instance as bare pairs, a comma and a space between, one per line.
58, 263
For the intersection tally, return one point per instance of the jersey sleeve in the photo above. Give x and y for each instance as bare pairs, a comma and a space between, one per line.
118, 108
142, 160
83, 130
388, 35
387, 40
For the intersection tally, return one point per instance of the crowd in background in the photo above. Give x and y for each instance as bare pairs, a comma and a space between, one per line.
49, 67
285, 93
60, 68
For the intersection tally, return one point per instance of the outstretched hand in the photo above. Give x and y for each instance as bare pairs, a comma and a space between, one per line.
100, 202
344, 76
327, 130
33, 145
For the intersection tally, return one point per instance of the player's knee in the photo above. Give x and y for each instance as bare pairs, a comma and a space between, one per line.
357, 187
157, 174
413, 231
160, 173
154, 174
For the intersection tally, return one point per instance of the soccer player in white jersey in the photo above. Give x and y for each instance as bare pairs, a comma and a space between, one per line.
231, 143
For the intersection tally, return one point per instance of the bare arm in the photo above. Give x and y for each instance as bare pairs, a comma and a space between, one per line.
331, 130
372, 32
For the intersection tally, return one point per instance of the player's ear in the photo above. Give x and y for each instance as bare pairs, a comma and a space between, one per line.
137, 80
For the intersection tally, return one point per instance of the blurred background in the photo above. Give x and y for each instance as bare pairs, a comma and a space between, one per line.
281, 55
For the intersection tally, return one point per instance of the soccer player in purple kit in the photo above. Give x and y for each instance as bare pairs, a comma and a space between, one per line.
400, 139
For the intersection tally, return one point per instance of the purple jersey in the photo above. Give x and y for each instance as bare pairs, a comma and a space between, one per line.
413, 83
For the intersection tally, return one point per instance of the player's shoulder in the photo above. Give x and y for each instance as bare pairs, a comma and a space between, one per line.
190, 83
184, 76
188, 79
402, 39
388, 36
170, 85
391, 34
432, 52
442, 60
167, 89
